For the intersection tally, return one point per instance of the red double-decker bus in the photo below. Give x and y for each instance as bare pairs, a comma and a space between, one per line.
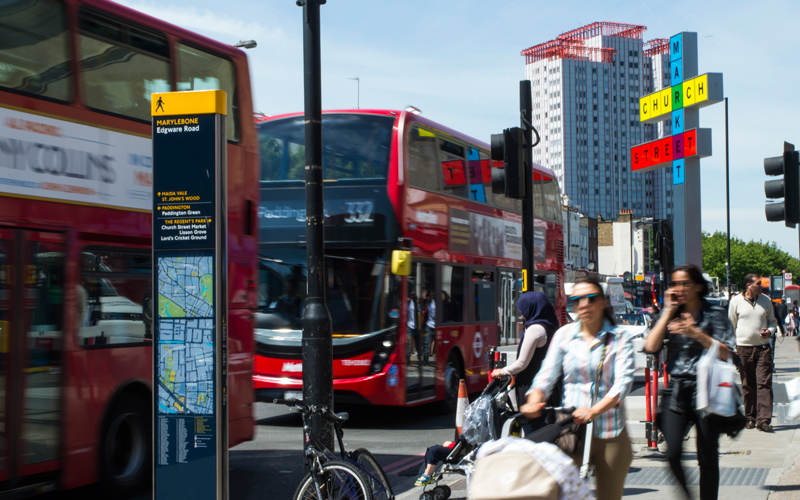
75, 235
395, 180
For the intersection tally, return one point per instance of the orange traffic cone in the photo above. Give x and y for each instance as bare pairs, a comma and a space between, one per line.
463, 402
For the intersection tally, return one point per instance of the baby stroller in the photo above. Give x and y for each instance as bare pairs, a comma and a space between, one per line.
504, 422
484, 420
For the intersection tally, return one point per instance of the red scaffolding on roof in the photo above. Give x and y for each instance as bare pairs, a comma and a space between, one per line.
571, 45
656, 46
604, 28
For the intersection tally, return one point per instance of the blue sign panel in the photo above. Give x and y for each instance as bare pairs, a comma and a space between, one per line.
676, 72
677, 122
676, 47
678, 174
189, 339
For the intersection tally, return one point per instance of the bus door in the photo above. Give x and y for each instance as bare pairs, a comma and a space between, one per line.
420, 367
31, 340
507, 307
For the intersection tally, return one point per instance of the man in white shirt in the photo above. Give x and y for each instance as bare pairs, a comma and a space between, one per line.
753, 319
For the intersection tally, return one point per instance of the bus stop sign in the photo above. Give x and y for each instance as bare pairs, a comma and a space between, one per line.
190, 414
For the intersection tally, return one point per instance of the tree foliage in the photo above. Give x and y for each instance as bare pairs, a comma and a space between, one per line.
765, 259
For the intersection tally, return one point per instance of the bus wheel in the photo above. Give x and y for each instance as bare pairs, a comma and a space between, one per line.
453, 372
125, 448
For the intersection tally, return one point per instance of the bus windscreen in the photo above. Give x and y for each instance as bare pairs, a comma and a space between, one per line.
354, 147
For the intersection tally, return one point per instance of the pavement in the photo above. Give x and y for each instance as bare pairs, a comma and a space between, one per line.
754, 466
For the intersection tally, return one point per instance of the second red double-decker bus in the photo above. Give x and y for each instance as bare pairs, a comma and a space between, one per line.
395, 180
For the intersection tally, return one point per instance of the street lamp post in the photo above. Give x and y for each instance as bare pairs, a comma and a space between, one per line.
358, 91
727, 205
317, 331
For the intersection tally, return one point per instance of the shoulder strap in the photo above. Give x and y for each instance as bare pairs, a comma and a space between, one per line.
600, 367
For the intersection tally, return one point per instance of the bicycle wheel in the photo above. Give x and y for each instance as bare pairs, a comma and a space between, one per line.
381, 489
337, 481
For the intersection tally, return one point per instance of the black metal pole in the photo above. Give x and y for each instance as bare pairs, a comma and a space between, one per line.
526, 114
317, 333
727, 203
661, 275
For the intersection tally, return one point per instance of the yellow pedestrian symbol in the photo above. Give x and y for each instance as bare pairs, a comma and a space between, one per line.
160, 104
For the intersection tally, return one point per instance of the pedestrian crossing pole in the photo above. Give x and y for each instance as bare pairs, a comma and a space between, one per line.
525, 115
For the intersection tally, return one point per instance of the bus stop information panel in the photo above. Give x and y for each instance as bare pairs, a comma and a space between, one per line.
190, 345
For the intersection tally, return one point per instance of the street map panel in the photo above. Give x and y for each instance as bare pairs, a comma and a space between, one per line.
185, 287
185, 335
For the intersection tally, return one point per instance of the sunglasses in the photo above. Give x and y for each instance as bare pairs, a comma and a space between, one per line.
574, 301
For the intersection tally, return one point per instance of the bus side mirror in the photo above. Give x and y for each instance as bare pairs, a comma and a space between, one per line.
401, 262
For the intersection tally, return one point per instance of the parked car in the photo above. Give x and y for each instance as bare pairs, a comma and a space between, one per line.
636, 324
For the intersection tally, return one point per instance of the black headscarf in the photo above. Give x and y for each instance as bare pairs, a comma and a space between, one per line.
537, 310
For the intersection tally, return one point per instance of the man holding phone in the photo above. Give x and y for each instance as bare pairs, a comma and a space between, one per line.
753, 319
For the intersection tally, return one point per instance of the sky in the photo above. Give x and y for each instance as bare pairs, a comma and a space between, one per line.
459, 62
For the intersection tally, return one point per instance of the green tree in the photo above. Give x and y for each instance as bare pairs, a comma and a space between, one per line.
758, 257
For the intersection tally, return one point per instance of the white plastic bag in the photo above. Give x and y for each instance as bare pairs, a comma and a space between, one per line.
716, 384
793, 391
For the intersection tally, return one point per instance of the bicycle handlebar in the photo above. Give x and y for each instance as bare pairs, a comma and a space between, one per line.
304, 408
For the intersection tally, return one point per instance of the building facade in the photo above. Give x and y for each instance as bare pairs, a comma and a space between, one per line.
586, 86
624, 245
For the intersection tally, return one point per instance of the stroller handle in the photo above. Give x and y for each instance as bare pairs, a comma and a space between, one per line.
499, 384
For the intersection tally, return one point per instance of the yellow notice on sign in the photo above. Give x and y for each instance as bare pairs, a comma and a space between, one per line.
192, 102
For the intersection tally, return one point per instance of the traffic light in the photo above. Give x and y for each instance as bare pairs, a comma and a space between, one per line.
508, 148
787, 188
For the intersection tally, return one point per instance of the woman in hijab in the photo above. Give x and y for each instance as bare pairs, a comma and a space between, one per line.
540, 325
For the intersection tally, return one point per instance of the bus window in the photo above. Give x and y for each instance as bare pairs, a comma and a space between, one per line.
354, 147
552, 200
422, 159
121, 65
115, 306
198, 70
547, 284
451, 156
34, 57
453, 294
486, 169
483, 292
538, 197
480, 176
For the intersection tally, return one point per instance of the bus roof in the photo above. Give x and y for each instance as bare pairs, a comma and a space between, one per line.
155, 23
410, 117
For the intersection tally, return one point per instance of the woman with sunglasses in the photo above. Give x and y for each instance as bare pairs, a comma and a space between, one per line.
595, 362
690, 324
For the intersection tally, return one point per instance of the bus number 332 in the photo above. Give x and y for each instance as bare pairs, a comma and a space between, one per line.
360, 212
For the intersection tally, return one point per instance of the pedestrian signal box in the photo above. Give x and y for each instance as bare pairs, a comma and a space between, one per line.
508, 148
787, 188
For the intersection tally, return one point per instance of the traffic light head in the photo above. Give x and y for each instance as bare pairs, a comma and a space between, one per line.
508, 148
787, 188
